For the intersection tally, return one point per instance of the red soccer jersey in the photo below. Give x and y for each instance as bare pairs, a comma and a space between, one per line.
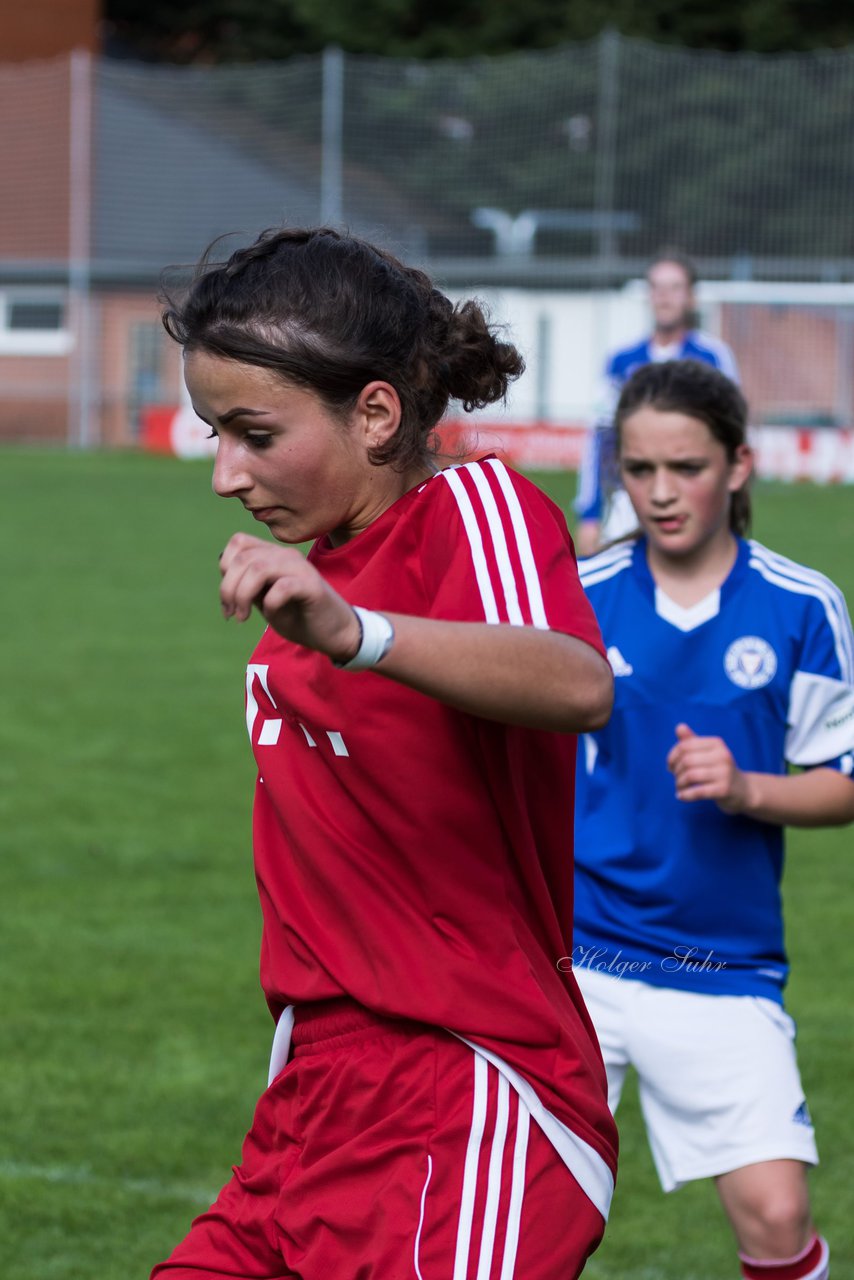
416, 858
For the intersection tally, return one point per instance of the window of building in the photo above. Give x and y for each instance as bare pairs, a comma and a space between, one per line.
34, 322
29, 313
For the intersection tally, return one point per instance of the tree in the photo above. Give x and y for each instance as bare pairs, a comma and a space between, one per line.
251, 30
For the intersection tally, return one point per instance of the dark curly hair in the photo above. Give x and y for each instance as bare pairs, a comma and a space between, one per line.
699, 391
331, 312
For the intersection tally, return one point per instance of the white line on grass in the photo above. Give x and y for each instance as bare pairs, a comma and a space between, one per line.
13, 1171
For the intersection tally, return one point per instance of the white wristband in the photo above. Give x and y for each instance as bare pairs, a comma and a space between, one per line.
377, 639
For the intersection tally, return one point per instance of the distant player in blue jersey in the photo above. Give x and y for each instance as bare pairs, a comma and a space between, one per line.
731, 663
603, 510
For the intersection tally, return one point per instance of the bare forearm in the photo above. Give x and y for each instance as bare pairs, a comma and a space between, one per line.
704, 768
516, 675
816, 798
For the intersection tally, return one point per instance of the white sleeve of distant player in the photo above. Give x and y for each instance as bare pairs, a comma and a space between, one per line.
821, 722
728, 365
605, 403
589, 498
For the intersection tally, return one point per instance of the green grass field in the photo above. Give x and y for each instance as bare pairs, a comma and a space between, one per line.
135, 1035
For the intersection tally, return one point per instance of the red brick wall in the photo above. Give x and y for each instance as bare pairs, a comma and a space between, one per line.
44, 28
33, 401
788, 358
34, 140
38, 394
118, 313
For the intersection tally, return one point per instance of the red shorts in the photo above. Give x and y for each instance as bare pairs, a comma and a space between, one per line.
389, 1151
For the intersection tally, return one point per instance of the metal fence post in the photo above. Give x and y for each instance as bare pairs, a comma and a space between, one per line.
332, 136
606, 144
80, 399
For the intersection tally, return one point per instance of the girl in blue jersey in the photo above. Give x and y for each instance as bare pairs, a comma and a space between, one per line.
731, 663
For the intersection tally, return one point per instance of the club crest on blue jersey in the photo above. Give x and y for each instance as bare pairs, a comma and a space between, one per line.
750, 662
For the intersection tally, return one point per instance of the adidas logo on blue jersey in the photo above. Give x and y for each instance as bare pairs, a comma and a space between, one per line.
619, 666
802, 1116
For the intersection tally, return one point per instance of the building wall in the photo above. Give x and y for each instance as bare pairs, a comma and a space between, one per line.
33, 399
796, 356
794, 345
44, 28
34, 210
792, 361
131, 362
139, 363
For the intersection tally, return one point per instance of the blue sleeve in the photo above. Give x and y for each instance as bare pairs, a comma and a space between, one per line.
588, 498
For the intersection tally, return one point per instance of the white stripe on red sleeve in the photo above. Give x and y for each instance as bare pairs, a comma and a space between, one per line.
523, 542
487, 595
500, 543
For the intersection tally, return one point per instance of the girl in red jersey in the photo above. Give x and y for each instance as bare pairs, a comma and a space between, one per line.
412, 707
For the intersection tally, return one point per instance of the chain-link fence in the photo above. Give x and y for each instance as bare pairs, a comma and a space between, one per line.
535, 172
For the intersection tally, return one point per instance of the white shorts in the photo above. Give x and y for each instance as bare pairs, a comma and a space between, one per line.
718, 1078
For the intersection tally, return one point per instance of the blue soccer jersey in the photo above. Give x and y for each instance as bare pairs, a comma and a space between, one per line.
598, 472
678, 893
